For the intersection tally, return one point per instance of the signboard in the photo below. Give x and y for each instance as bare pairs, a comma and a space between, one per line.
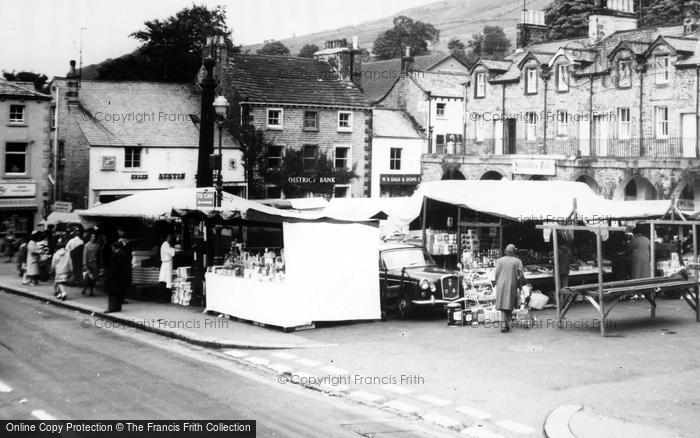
399, 180
534, 167
62, 207
109, 162
171, 176
206, 199
17, 190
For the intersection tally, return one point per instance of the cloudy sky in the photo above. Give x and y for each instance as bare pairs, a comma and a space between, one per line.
42, 35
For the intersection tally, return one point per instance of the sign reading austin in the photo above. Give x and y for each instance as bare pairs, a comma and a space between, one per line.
312, 179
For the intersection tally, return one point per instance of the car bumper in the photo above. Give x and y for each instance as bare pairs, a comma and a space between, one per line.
433, 301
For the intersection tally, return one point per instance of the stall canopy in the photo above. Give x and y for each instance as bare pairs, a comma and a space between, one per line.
521, 201
58, 217
365, 208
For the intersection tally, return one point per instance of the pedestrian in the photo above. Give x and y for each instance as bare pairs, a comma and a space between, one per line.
31, 275
619, 261
639, 254
564, 262
115, 277
167, 252
75, 248
22, 257
44, 258
62, 267
10, 242
91, 265
509, 276
51, 237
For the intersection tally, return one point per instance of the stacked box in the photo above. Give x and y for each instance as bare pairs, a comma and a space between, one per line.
182, 287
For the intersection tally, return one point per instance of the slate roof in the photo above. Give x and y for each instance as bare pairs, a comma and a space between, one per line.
13, 89
441, 84
145, 114
393, 123
291, 80
379, 77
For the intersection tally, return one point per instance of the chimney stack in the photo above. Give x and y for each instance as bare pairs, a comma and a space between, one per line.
407, 62
611, 16
531, 29
691, 16
72, 86
346, 60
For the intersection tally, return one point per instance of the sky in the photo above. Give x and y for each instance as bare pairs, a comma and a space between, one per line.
43, 35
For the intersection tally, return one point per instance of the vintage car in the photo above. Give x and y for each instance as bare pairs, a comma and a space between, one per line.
410, 278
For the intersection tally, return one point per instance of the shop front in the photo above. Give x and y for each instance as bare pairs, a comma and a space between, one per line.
18, 208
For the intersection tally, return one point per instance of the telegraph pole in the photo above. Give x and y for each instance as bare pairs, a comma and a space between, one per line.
206, 127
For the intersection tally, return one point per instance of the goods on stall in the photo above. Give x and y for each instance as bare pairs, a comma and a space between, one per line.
182, 286
264, 266
441, 242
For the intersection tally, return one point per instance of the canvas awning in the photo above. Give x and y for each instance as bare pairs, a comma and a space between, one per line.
547, 201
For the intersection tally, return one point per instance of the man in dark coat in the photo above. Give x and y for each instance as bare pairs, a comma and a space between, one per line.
564, 262
116, 280
509, 274
639, 254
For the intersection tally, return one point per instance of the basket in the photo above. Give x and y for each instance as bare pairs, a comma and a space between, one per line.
538, 300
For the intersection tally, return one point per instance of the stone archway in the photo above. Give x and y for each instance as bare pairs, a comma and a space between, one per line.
688, 193
538, 178
590, 181
635, 188
453, 174
492, 175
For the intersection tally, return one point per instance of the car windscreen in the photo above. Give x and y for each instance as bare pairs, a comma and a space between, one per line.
400, 258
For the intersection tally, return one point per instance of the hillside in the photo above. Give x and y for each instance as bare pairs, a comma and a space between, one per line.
454, 18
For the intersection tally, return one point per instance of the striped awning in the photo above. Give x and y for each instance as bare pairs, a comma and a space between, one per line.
19, 204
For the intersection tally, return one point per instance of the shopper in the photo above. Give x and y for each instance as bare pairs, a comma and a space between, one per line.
509, 275
91, 265
33, 252
22, 257
639, 253
62, 267
75, 249
564, 262
167, 252
620, 260
115, 277
10, 243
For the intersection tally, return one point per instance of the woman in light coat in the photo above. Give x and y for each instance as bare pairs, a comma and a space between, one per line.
62, 267
33, 253
167, 252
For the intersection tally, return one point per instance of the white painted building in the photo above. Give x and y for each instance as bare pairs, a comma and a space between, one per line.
397, 146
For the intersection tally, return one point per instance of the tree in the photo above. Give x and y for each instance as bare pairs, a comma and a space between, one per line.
254, 151
662, 12
171, 49
406, 32
458, 49
308, 51
274, 48
490, 43
38, 79
293, 166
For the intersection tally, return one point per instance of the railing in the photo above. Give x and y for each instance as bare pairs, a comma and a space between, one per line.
671, 147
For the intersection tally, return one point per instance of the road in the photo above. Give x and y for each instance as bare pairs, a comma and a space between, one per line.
55, 367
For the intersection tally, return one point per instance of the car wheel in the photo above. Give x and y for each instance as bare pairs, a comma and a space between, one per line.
405, 306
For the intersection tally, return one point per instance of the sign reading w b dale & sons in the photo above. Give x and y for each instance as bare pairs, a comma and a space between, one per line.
399, 180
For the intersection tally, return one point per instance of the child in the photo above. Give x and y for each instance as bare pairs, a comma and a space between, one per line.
63, 268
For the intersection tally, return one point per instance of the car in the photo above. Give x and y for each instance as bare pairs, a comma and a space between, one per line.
410, 279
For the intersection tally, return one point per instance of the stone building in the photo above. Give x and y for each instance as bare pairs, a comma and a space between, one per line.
312, 105
25, 189
616, 109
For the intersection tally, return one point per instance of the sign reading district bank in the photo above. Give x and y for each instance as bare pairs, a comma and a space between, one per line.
534, 167
399, 180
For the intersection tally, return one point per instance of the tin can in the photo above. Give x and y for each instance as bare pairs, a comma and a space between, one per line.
452, 310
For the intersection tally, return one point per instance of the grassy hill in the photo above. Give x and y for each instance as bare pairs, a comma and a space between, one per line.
454, 18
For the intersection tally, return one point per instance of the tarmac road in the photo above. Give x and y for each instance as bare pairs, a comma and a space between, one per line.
51, 365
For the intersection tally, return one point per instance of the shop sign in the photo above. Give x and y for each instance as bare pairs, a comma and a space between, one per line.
62, 207
534, 167
139, 176
399, 180
205, 199
171, 176
109, 162
8, 190
686, 205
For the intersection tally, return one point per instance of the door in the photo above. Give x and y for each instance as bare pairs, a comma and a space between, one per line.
510, 136
689, 129
600, 135
498, 137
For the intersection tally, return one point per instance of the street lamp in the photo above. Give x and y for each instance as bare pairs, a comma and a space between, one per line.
220, 107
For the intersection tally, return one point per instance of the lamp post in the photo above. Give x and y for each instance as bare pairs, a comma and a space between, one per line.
220, 107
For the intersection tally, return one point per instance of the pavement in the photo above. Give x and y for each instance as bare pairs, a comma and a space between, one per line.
530, 383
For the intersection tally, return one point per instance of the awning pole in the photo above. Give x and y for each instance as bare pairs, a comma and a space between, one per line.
425, 216
601, 298
652, 250
557, 285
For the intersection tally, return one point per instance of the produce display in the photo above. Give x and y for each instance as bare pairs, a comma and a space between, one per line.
266, 265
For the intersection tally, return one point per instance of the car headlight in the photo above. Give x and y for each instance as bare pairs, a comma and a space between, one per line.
424, 284
433, 288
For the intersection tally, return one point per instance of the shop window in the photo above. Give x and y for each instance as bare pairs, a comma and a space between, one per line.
16, 113
275, 118
562, 77
624, 123
662, 69
531, 80
275, 154
273, 192
661, 122
395, 159
132, 157
440, 109
309, 154
624, 73
480, 88
341, 191
344, 121
562, 124
342, 157
531, 126
16, 158
310, 121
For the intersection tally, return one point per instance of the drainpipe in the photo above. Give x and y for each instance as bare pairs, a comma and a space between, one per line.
503, 124
697, 108
545, 74
430, 127
642, 69
591, 143
55, 149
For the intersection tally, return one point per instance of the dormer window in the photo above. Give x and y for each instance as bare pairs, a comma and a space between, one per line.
662, 69
531, 80
624, 73
480, 89
562, 77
